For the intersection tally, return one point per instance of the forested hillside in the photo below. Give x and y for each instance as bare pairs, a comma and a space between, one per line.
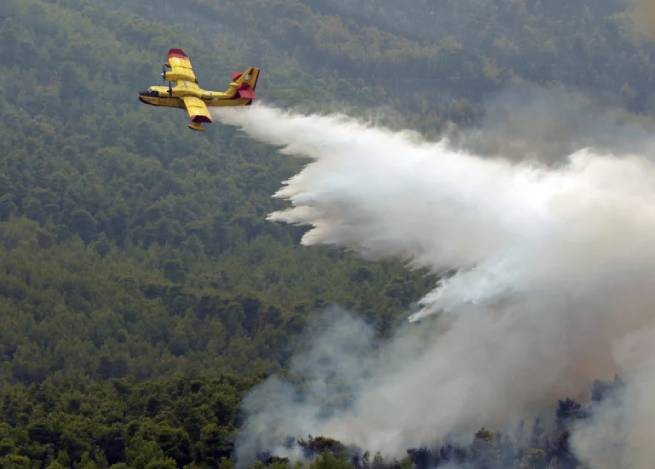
142, 291
131, 249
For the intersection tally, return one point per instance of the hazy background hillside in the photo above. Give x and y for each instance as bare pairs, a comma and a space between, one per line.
142, 291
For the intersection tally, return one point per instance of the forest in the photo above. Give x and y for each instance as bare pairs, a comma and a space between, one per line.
143, 293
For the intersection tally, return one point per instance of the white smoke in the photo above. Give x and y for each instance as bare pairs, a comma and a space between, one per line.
556, 268
530, 122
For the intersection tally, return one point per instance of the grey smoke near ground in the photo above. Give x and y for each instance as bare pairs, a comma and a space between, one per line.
556, 267
619, 435
546, 125
333, 363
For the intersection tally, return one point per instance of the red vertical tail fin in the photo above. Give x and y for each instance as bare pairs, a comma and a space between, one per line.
247, 82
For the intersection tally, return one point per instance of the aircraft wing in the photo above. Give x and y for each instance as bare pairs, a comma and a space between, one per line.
197, 110
180, 65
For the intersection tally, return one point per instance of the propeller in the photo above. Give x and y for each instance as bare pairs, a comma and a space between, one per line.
163, 72
170, 88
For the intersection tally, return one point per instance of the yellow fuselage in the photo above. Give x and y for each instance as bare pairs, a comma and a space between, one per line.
163, 96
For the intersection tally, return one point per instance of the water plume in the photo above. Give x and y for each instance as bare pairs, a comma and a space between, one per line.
554, 274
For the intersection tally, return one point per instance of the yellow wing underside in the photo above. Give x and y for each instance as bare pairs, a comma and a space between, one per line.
198, 112
182, 68
196, 107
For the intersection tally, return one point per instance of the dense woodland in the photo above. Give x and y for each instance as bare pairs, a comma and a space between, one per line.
142, 291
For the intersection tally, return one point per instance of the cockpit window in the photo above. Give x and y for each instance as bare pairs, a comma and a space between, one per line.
150, 93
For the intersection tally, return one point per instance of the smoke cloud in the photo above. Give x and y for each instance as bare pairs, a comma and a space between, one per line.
547, 125
553, 289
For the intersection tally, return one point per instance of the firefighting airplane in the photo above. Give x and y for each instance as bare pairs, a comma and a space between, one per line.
187, 94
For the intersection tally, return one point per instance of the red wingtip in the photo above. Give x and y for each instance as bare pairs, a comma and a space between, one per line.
177, 53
